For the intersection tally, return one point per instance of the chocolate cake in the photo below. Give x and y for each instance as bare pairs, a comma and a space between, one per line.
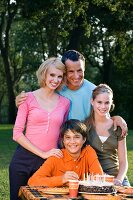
87, 187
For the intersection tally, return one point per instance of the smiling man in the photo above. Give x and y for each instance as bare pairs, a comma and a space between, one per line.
78, 90
78, 159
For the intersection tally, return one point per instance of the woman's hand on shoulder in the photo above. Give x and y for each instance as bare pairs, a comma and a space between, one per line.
53, 152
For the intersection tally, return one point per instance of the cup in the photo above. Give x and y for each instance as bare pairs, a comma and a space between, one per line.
73, 188
109, 178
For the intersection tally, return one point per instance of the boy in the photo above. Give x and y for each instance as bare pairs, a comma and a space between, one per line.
78, 159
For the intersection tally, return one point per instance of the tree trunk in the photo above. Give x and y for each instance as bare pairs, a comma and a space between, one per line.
107, 71
1, 98
52, 39
11, 96
76, 35
5, 26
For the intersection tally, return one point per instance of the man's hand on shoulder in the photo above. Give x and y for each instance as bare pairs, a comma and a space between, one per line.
119, 121
20, 98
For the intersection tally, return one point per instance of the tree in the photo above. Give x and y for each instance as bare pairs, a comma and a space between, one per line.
7, 13
39, 29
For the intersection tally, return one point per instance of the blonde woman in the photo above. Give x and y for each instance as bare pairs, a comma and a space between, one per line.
41, 116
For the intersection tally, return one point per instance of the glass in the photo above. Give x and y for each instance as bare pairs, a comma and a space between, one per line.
73, 188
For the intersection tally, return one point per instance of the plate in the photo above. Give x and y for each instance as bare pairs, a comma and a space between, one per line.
125, 190
95, 193
53, 192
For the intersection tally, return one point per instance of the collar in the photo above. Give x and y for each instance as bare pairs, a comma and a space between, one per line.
67, 157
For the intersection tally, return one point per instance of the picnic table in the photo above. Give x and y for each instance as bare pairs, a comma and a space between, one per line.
36, 193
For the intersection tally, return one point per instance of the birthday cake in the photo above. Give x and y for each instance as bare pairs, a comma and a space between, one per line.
96, 187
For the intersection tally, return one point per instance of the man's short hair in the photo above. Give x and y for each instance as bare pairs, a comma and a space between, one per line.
72, 55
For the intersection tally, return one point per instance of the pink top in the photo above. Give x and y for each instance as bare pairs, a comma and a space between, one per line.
42, 127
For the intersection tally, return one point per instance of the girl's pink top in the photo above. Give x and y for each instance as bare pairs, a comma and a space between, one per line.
41, 127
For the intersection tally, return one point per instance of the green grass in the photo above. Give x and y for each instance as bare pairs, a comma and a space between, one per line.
7, 147
130, 156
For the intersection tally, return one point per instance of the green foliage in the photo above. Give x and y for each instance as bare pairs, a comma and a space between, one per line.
100, 29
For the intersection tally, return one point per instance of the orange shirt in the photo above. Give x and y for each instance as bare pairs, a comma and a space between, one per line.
51, 172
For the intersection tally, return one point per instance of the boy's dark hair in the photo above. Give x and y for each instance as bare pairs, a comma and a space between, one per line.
75, 126
72, 55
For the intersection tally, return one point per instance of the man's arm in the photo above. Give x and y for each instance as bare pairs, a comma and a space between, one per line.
20, 98
119, 121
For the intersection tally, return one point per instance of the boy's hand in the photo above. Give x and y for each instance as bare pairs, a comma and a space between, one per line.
69, 175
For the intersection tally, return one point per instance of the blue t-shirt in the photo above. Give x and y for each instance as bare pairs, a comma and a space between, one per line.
80, 106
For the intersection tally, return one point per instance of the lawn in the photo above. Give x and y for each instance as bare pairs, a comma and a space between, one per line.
7, 147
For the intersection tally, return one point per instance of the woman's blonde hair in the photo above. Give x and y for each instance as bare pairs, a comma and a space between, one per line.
42, 71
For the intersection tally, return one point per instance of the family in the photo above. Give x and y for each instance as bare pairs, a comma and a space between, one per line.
64, 129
